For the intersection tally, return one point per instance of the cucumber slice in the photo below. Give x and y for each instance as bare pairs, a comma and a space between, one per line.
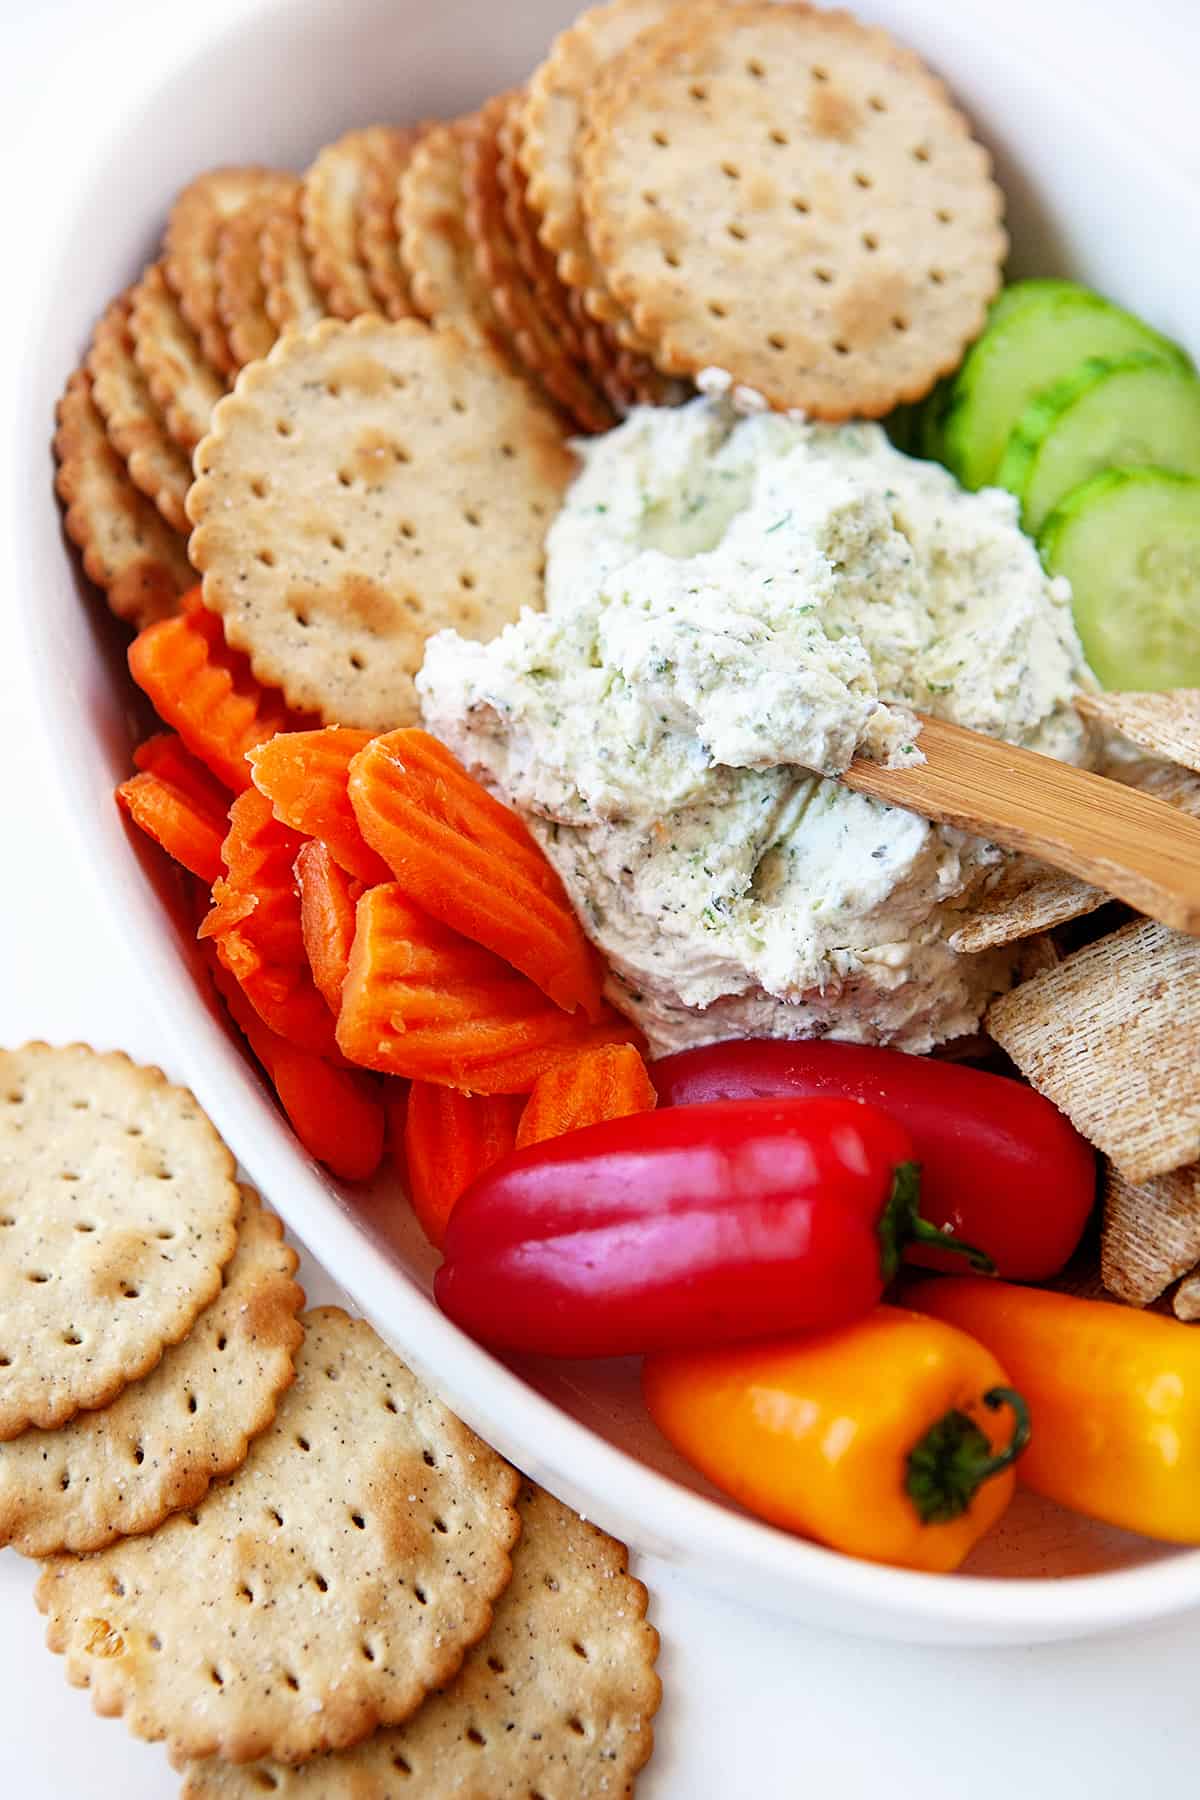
1128, 541
1125, 412
1034, 339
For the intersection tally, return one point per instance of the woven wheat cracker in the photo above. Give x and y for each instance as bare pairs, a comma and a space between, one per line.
128, 548
184, 384
378, 238
436, 247
118, 1211
162, 1442
367, 485
1110, 1036
1185, 1302
1151, 1233
241, 294
552, 125
293, 299
320, 1591
788, 195
532, 335
136, 427
190, 249
330, 204
1167, 724
556, 1701
1025, 899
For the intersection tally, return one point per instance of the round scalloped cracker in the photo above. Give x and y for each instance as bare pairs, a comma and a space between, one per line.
1166, 723
368, 485
164, 1440
136, 427
128, 548
539, 264
118, 1212
184, 384
330, 206
293, 299
552, 125
558, 1699
1110, 1036
786, 194
319, 1592
190, 249
436, 247
241, 293
378, 239
532, 334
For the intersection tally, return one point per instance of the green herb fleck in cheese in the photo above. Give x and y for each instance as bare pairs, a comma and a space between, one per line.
734, 607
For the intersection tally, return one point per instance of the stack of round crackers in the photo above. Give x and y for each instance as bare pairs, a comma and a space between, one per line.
266, 1543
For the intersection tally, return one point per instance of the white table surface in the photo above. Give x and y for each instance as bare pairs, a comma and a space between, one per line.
754, 1706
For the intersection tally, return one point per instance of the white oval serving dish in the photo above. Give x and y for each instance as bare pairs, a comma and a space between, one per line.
241, 81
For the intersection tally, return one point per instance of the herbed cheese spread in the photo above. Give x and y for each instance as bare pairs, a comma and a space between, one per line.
735, 605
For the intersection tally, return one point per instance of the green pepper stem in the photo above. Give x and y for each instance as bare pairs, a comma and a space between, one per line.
900, 1223
946, 1468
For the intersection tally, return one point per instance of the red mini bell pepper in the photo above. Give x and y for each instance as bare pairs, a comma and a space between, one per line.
696, 1226
1000, 1165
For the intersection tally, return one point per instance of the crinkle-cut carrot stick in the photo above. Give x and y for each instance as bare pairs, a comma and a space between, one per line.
167, 756
256, 925
336, 1113
421, 1000
188, 832
327, 900
605, 1083
449, 1139
470, 862
206, 692
305, 775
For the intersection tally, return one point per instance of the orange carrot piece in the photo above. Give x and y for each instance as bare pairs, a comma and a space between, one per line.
327, 900
421, 1000
305, 776
256, 924
188, 832
449, 1139
206, 692
470, 862
336, 1113
608, 1082
167, 756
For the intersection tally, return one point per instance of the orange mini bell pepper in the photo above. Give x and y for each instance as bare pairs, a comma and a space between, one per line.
893, 1438
1114, 1395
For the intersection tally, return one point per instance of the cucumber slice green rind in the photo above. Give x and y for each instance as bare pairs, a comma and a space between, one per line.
1128, 412
1046, 331
1128, 541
